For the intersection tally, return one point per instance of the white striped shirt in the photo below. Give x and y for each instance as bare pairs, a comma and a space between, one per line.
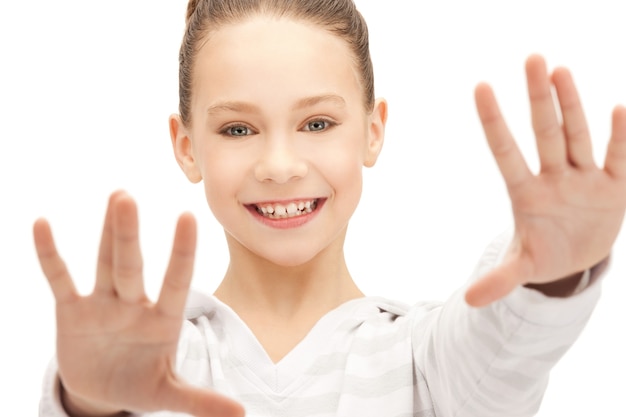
375, 357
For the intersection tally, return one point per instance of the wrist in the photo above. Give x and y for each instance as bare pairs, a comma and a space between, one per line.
76, 406
560, 288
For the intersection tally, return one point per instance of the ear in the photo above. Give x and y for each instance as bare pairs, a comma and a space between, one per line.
183, 149
376, 132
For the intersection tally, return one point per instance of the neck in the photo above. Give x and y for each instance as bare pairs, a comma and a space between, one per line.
281, 304
254, 285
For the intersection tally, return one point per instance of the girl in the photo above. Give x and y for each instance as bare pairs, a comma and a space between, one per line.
277, 118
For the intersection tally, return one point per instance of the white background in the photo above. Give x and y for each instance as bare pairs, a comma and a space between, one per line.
86, 89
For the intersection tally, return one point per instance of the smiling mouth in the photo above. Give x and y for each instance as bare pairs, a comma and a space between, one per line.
286, 210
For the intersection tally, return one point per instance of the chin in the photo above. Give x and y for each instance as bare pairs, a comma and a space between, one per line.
290, 258
291, 252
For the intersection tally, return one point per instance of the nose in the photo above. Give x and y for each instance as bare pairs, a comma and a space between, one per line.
280, 162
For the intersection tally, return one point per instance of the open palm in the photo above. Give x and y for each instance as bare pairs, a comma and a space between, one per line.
116, 349
568, 216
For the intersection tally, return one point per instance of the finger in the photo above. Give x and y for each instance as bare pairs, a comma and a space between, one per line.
615, 160
177, 280
127, 261
578, 140
548, 132
104, 272
200, 402
51, 263
505, 151
496, 284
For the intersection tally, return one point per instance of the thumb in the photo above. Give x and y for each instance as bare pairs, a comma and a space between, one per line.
497, 283
200, 402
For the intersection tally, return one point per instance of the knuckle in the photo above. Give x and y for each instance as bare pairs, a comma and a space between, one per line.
128, 272
546, 130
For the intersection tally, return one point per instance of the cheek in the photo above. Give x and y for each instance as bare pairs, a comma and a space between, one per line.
342, 168
223, 174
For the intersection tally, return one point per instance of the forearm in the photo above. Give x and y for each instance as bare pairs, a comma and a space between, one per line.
496, 360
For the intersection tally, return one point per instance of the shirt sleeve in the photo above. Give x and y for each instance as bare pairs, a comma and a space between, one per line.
495, 361
50, 402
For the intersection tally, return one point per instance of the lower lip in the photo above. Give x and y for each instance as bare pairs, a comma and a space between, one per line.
287, 222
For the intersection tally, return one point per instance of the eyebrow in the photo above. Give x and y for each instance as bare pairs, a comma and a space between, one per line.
312, 101
242, 106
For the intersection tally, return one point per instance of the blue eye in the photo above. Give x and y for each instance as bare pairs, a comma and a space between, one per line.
237, 131
318, 125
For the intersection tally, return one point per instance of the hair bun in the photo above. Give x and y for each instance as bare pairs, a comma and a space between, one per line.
191, 8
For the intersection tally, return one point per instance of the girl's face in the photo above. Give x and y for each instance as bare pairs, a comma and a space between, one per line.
279, 136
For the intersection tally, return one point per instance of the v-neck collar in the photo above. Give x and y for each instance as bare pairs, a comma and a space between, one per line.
248, 356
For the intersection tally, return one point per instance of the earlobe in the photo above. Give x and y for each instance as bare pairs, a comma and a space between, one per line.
376, 132
183, 149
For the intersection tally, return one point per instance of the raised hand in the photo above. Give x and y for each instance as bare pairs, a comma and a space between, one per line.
569, 214
116, 350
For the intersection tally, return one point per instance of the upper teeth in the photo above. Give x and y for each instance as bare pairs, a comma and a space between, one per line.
279, 211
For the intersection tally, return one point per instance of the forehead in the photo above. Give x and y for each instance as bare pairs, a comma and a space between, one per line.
276, 57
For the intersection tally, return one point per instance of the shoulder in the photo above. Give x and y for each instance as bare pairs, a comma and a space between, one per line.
199, 304
379, 315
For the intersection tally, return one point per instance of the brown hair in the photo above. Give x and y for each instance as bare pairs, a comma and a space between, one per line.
339, 17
